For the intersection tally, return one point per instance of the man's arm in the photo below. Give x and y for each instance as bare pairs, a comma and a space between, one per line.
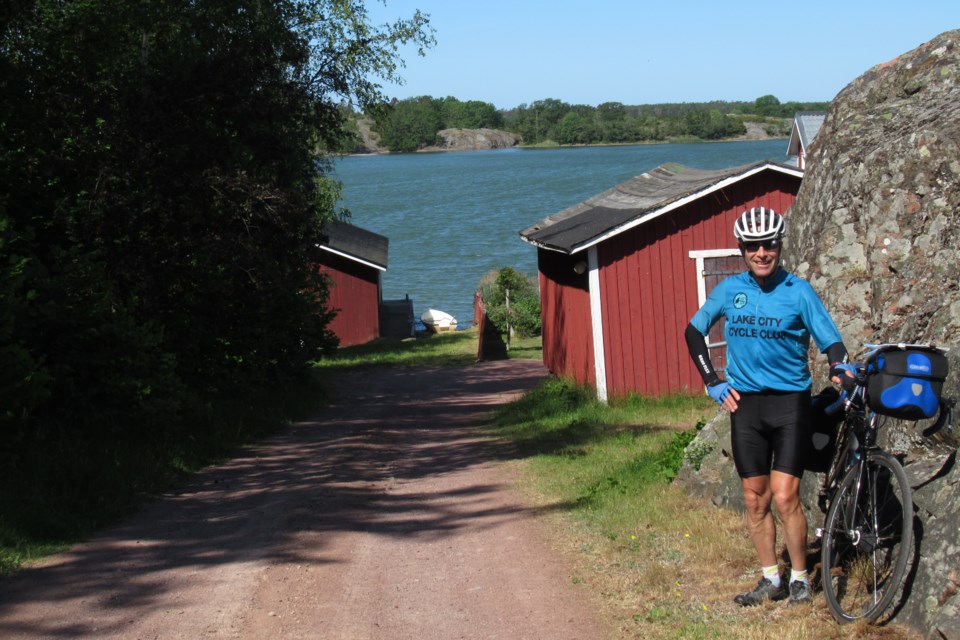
701, 355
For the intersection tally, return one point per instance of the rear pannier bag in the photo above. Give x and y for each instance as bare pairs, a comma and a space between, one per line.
823, 431
905, 382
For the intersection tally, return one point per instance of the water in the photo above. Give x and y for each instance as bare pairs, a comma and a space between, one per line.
453, 217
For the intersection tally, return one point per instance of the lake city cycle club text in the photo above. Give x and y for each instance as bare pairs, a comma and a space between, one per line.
768, 331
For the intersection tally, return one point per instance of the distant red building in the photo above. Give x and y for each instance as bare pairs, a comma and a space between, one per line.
354, 260
806, 126
622, 273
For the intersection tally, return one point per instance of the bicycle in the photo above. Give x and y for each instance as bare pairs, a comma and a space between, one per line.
867, 535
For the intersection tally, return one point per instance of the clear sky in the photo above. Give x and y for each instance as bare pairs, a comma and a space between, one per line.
513, 52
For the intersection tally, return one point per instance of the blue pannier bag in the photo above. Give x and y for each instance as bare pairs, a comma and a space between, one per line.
905, 381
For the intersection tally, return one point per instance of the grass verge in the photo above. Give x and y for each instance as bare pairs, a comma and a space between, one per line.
658, 562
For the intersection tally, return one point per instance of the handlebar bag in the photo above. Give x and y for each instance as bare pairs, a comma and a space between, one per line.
905, 382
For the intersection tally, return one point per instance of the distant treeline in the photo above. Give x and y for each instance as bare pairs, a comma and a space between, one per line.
414, 123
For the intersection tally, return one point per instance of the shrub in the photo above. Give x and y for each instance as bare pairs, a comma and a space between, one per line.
523, 314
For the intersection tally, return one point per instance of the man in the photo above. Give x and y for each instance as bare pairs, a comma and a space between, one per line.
770, 316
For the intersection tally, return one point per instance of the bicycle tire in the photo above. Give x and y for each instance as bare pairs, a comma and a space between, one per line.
863, 567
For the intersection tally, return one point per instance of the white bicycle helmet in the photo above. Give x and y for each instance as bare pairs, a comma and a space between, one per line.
759, 223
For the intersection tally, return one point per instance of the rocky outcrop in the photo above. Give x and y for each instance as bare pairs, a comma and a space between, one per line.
369, 139
474, 140
876, 230
451, 139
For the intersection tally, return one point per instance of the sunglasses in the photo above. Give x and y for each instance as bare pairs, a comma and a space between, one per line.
769, 245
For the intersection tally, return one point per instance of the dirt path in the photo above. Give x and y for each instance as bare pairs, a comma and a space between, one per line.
390, 518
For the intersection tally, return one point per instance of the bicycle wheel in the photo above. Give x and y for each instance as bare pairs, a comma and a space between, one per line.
867, 539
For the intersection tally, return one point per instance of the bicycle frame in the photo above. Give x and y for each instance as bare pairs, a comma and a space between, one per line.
856, 434
860, 460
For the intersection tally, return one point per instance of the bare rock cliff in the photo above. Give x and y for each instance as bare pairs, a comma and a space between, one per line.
474, 140
450, 139
876, 230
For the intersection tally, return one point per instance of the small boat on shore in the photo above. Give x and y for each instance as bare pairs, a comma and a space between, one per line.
438, 321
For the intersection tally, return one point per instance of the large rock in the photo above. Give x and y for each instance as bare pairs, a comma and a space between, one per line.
474, 140
876, 230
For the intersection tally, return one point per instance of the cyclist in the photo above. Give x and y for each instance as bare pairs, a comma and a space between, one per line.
770, 316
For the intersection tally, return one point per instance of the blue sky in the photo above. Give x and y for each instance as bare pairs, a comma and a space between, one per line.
512, 52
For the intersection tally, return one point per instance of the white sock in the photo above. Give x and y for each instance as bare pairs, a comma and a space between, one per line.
772, 574
799, 576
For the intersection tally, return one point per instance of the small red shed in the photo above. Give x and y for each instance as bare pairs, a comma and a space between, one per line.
622, 273
353, 259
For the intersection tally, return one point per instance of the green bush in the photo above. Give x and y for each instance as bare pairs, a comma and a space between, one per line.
523, 314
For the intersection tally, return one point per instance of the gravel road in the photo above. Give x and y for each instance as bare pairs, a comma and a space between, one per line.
387, 516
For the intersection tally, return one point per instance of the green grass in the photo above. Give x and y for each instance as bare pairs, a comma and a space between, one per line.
588, 454
605, 465
439, 350
16, 548
526, 349
457, 348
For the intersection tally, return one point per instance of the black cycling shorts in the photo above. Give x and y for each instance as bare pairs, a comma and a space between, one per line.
771, 428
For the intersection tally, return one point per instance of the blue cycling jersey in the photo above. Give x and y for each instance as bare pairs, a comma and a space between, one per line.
768, 330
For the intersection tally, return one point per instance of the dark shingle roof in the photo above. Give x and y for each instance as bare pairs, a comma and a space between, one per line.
634, 202
356, 244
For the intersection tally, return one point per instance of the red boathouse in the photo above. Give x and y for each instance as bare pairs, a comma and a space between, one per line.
622, 273
353, 259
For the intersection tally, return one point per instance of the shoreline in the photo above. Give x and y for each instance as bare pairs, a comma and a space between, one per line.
536, 147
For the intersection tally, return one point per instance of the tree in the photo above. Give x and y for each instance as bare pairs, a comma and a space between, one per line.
767, 105
537, 122
177, 150
410, 124
573, 128
522, 315
161, 198
611, 111
472, 114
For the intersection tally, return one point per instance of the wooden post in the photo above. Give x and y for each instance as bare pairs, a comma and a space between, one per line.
509, 324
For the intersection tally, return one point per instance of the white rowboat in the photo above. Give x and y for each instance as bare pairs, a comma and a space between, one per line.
438, 321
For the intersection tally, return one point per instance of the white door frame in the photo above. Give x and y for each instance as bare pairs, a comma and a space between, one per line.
700, 256
596, 323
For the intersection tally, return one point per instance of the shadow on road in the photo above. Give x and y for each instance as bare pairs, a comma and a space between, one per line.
352, 468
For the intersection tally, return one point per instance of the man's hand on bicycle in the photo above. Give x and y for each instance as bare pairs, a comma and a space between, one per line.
844, 375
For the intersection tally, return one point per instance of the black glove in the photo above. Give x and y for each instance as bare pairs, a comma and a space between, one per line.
847, 374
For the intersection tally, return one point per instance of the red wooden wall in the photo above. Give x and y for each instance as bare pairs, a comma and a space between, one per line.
565, 315
649, 284
355, 294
